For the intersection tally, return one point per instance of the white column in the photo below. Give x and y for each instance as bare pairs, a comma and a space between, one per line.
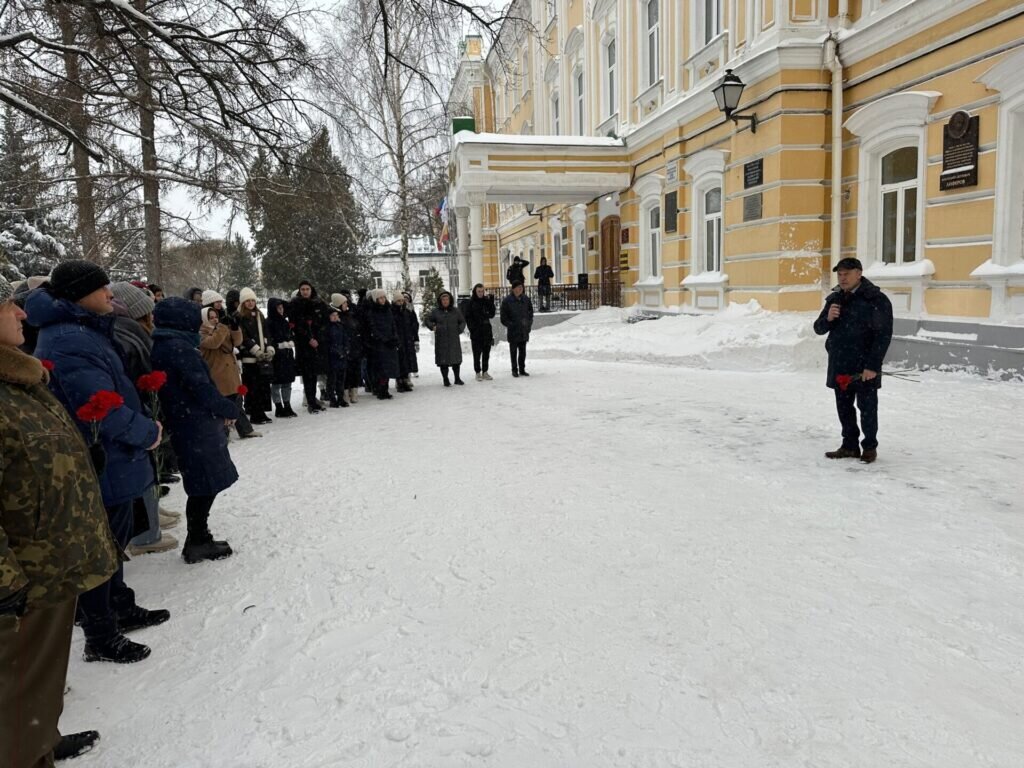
476, 246
462, 236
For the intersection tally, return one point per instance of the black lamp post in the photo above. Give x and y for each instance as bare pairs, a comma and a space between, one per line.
727, 94
529, 211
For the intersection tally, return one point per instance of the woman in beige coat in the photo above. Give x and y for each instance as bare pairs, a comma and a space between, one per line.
217, 342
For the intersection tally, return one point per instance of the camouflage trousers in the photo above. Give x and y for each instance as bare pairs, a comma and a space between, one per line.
33, 667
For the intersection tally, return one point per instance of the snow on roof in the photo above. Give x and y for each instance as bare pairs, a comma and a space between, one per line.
466, 137
417, 245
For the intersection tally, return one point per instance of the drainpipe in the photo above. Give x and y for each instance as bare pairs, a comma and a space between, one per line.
836, 67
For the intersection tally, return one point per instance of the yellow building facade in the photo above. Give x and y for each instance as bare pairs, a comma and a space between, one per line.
597, 142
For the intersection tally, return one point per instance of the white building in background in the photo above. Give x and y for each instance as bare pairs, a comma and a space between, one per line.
386, 264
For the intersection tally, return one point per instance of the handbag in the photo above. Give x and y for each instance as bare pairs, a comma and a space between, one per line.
265, 368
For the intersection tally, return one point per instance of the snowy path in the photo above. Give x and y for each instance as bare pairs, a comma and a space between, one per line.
549, 572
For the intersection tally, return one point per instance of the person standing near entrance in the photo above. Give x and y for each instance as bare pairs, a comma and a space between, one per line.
517, 317
858, 320
543, 275
447, 324
514, 272
479, 311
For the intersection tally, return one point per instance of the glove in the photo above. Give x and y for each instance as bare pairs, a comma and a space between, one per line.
270, 353
14, 605
98, 457
254, 350
232, 322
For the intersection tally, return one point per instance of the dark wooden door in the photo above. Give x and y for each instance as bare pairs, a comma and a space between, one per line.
611, 234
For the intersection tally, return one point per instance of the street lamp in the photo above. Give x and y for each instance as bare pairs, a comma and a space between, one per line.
529, 211
727, 94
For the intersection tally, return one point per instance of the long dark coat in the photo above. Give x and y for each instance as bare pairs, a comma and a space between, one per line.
81, 346
517, 317
859, 338
279, 333
256, 376
381, 341
447, 325
193, 410
412, 336
337, 340
354, 369
406, 341
478, 312
308, 317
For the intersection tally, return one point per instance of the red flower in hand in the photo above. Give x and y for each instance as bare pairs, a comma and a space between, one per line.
844, 381
151, 382
243, 390
291, 325
47, 364
99, 406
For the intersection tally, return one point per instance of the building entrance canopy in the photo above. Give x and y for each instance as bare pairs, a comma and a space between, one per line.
528, 170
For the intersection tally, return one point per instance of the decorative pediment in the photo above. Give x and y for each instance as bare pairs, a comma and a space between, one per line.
574, 42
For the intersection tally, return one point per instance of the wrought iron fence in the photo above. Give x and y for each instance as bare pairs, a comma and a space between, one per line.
568, 297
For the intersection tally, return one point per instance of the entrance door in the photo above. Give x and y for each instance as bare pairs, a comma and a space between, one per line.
611, 239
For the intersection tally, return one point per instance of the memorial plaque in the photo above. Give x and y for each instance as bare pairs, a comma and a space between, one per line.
753, 173
752, 206
672, 173
625, 234
959, 152
671, 211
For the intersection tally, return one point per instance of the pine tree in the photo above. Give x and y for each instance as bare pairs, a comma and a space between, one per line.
240, 268
306, 223
433, 286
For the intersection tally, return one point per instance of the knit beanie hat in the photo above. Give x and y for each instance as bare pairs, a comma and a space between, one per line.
244, 295
377, 293
73, 280
6, 290
135, 300
337, 299
211, 297
398, 296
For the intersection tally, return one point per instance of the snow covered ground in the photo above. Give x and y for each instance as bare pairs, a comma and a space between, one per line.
643, 563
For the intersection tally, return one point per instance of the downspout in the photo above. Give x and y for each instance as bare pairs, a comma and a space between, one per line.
836, 67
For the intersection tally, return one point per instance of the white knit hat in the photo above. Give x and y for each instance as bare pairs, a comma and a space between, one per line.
377, 293
337, 299
211, 297
398, 295
243, 296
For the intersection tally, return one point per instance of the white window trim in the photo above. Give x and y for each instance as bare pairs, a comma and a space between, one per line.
707, 171
705, 217
579, 101
700, 38
649, 190
900, 189
555, 104
1006, 267
610, 75
647, 81
891, 123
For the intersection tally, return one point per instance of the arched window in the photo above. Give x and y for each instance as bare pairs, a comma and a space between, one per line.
654, 240
652, 41
898, 204
712, 213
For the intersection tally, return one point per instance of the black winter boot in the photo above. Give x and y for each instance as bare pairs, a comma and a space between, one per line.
287, 411
458, 377
75, 744
279, 412
119, 649
139, 618
196, 551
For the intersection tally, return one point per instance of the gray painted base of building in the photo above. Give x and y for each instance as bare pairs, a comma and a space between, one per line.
994, 351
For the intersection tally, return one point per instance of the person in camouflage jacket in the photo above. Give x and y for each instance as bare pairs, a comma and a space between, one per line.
55, 543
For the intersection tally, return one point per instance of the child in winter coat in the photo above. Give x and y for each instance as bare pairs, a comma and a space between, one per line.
336, 338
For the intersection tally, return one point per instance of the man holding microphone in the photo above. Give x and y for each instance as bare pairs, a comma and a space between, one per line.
858, 320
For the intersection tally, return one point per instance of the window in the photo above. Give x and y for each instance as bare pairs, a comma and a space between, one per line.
898, 231
653, 43
609, 63
556, 250
581, 250
378, 279
654, 239
423, 277
556, 128
712, 19
525, 74
712, 210
580, 124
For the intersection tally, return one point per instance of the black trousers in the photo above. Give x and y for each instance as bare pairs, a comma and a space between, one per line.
444, 371
517, 352
336, 385
309, 388
197, 517
242, 423
98, 608
481, 354
866, 399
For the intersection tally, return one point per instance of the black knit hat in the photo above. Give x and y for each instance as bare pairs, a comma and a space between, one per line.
73, 280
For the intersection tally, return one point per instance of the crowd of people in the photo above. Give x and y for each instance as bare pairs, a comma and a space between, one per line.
111, 392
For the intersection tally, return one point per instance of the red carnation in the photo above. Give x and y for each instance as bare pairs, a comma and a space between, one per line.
151, 382
844, 381
48, 365
243, 390
291, 325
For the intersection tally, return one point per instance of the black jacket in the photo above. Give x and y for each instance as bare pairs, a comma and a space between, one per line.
279, 333
308, 317
543, 274
478, 313
381, 341
517, 317
515, 270
859, 338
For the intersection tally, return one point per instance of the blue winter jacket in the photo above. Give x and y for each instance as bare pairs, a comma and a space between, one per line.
85, 360
193, 409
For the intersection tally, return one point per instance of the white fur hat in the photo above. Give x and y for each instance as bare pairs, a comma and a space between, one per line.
398, 296
338, 299
211, 297
377, 293
243, 296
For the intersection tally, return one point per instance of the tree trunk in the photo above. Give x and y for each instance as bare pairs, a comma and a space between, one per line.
78, 121
150, 183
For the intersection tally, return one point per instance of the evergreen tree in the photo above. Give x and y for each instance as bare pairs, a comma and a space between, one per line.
240, 268
433, 286
305, 222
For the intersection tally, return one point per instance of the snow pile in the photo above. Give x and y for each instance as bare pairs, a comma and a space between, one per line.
743, 337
